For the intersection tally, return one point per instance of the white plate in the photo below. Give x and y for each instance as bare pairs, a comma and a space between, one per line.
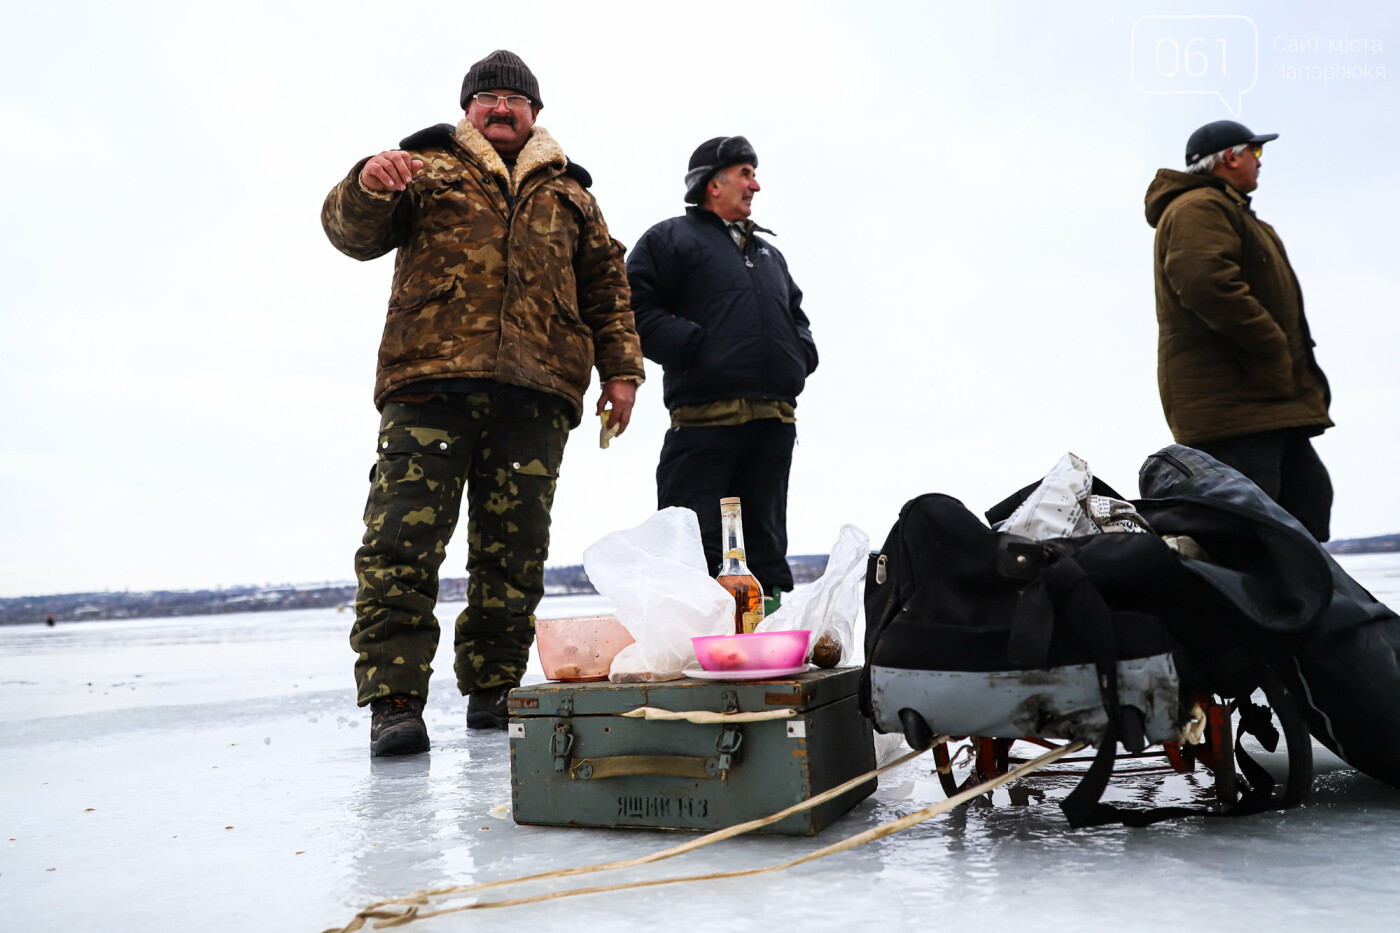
759, 674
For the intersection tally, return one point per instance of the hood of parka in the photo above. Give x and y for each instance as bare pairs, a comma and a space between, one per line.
1171, 184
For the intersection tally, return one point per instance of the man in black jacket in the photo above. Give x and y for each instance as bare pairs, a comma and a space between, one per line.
716, 307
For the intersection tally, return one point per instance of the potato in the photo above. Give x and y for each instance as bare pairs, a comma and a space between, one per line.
827, 651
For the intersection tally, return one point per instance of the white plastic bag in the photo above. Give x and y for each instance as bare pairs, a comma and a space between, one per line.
834, 602
1065, 506
656, 574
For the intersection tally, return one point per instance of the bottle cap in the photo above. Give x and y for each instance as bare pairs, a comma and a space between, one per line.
732, 500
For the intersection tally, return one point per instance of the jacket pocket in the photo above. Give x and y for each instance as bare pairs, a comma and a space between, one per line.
569, 355
419, 325
566, 307
557, 221
417, 291
1266, 380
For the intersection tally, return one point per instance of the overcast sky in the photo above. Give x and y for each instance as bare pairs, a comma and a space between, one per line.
188, 363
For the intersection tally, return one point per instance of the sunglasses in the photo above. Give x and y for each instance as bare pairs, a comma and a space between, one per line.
1258, 152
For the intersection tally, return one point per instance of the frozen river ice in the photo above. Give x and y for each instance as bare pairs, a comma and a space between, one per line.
211, 774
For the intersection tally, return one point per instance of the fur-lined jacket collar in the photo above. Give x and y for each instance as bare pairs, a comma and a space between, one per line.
540, 150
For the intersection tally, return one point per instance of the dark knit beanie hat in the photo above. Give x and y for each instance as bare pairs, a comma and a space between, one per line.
501, 69
711, 156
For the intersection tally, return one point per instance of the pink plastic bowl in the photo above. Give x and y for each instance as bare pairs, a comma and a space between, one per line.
757, 651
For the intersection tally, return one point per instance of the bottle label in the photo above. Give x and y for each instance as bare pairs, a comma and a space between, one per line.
751, 620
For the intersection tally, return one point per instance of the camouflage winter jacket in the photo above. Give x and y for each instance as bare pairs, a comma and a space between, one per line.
527, 288
1234, 354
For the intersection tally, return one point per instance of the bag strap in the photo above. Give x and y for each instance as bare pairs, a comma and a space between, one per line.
1033, 620
1255, 720
1052, 576
1062, 579
1058, 578
1089, 619
1083, 807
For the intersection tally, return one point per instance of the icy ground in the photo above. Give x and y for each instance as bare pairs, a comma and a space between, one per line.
211, 774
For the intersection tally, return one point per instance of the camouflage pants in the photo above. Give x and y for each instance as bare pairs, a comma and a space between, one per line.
501, 446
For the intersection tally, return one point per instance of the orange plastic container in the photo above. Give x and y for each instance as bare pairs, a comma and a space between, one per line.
580, 647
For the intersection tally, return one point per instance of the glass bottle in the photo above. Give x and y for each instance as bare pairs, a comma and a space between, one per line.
734, 573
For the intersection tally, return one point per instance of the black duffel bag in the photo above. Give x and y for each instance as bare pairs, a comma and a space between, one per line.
1104, 638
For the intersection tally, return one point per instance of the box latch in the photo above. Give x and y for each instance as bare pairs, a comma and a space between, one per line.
560, 745
730, 738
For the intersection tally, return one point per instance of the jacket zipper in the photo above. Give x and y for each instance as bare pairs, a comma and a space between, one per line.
743, 250
512, 209
767, 335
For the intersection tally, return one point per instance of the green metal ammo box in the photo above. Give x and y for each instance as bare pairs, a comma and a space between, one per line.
576, 761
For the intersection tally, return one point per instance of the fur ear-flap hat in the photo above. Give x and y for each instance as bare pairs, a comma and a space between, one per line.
504, 70
712, 156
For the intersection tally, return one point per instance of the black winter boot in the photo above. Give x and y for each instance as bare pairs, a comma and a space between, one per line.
486, 708
396, 727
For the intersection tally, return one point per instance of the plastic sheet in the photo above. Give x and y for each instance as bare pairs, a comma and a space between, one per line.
656, 575
834, 603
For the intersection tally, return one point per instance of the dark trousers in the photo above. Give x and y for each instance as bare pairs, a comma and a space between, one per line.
701, 465
1284, 465
500, 450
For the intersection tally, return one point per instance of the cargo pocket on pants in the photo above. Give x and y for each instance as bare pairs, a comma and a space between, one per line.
413, 479
514, 504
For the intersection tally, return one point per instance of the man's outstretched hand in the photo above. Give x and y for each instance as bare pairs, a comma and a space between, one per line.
622, 393
389, 171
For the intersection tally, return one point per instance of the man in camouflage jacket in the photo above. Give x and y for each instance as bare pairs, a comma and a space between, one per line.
507, 290
1235, 362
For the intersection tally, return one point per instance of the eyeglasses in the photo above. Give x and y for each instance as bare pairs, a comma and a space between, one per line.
1258, 152
489, 100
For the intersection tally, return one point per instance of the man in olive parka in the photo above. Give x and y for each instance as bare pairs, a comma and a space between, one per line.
1235, 365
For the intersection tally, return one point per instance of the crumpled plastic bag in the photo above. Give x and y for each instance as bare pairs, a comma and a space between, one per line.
1063, 506
888, 747
656, 575
834, 602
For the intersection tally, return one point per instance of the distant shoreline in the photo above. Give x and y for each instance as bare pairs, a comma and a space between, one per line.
1382, 544
558, 581
156, 604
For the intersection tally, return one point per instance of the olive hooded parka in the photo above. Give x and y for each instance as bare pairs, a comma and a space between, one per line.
1234, 354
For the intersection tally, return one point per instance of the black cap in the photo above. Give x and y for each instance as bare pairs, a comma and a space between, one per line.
504, 70
1219, 136
711, 156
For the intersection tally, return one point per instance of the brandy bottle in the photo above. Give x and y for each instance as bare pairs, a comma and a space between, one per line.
734, 573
